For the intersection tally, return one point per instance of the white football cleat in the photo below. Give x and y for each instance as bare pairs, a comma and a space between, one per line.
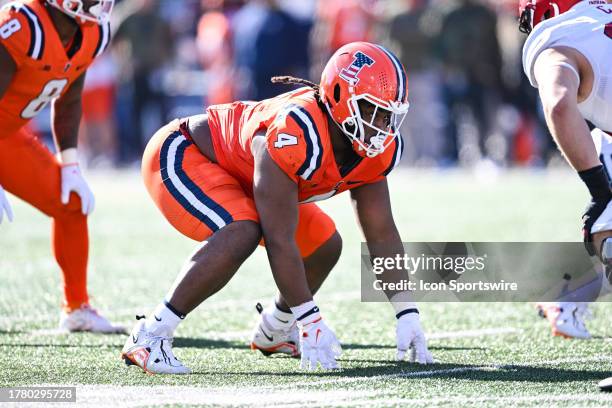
270, 341
152, 351
566, 318
87, 319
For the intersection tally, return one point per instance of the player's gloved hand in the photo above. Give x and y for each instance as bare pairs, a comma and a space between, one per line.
72, 180
598, 184
5, 207
318, 343
410, 337
593, 211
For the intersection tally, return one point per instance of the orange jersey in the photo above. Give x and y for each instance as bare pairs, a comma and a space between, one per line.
298, 140
45, 69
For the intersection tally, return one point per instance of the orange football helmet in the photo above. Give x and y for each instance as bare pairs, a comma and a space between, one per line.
365, 90
97, 11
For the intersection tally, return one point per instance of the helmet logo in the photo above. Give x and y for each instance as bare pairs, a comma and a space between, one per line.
351, 73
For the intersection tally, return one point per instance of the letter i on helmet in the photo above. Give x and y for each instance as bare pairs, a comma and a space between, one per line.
96, 11
359, 74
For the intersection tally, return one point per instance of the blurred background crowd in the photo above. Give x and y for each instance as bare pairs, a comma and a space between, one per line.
470, 102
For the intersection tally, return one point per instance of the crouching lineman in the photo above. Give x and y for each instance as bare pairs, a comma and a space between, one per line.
247, 170
568, 57
45, 49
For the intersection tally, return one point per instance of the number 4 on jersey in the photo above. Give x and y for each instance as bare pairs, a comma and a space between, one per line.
284, 139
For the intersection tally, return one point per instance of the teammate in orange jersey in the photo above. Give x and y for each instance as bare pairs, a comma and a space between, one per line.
45, 49
251, 169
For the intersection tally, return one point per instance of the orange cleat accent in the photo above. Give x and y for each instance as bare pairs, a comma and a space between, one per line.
284, 348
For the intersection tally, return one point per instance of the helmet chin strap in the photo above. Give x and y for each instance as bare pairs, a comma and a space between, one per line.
95, 13
96, 10
337, 124
375, 141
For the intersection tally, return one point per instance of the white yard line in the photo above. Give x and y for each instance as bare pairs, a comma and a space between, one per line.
434, 372
456, 401
302, 394
133, 396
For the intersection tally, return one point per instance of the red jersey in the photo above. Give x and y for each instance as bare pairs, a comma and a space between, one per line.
298, 140
45, 69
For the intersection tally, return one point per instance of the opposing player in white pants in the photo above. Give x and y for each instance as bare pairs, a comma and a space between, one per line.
568, 314
568, 57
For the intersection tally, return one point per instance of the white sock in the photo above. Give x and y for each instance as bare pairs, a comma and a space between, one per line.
278, 319
162, 316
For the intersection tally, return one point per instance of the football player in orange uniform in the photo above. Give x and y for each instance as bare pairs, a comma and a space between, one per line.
249, 170
45, 49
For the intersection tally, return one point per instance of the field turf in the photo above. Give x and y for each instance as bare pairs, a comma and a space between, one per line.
488, 354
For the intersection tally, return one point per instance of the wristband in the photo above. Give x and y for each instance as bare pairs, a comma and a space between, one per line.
405, 312
401, 302
597, 182
306, 312
68, 156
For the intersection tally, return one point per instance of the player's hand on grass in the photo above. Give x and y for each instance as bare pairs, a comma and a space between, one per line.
73, 181
318, 344
5, 207
410, 338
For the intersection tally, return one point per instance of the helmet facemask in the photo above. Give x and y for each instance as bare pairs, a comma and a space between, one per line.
533, 12
373, 124
96, 11
526, 19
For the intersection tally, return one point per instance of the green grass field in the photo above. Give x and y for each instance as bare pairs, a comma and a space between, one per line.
487, 354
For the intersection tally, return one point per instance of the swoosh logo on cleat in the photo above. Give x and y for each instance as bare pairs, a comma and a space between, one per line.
134, 338
157, 318
270, 338
282, 321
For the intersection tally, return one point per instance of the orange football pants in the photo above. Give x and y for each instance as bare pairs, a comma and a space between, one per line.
198, 197
29, 171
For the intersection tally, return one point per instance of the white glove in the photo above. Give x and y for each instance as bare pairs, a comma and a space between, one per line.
318, 343
410, 336
5, 207
72, 180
